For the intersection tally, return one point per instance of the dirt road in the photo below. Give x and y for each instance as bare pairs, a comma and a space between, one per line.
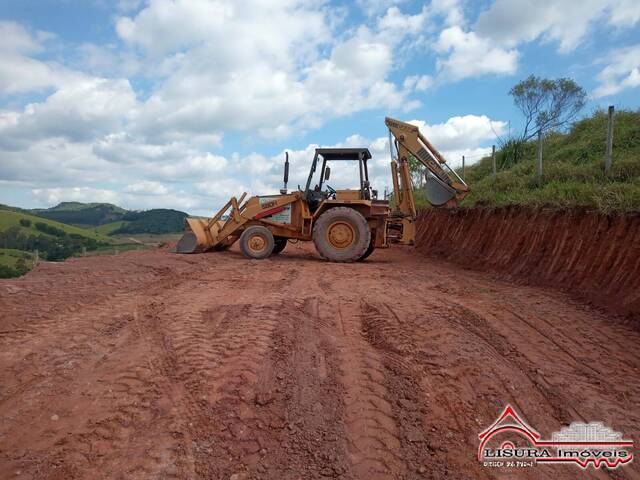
153, 365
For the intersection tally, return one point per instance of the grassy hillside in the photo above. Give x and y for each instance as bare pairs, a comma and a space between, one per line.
55, 241
573, 170
14, 263
11, 218
108, 228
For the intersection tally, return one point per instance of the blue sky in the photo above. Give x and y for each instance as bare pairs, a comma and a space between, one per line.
181, 103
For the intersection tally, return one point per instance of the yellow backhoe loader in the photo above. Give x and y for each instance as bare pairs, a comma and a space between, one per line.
345, 225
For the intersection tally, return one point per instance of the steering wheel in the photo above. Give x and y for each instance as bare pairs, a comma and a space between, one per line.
332, 192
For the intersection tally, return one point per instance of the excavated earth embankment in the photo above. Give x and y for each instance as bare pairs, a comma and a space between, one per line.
592, 255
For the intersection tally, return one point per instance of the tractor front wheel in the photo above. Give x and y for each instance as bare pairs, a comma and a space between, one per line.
257, 242
341, 235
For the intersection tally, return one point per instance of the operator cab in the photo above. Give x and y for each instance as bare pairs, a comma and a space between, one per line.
317, 189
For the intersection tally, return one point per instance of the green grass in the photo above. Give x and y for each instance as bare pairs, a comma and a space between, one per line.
107, 228
11, 218
14, 263
151, 238
9, 257
573, 170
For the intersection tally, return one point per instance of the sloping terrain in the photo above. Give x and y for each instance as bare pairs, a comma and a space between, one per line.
573, 169
11, 218
154, 365
592, 255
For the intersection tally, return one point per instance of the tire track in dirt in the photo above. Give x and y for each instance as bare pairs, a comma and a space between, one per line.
293, 368
99, 366
372, 433
215, 353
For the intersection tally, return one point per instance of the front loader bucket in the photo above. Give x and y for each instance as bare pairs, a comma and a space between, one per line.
198, 237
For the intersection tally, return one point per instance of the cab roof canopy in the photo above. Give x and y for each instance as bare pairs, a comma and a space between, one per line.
344, 153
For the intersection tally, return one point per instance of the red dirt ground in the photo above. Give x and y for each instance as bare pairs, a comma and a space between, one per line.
595, 256
152, 365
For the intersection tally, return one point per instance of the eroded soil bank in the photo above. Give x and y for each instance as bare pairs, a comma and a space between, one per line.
592, 255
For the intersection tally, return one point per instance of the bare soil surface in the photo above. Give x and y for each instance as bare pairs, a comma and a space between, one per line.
595, 257
151, 365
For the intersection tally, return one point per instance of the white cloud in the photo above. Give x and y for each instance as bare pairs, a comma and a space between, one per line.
16, 38
510, 22
145, 187
419, 83
79, 110
374, 7
21, 73
272, 81
54, 161
622, 72
129, 200
52, 196
461, 133
470, 55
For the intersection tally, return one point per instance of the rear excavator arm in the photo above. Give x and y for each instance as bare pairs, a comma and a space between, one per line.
444, 186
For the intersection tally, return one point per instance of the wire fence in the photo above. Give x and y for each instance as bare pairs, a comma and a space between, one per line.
608, 160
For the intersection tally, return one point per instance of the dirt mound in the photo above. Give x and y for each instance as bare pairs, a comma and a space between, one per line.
587, 253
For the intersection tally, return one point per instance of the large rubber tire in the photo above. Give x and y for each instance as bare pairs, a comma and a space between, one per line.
280, 245
257, 242
341, 234
369, 251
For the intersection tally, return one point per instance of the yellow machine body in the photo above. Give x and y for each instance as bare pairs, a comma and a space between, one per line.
350, 223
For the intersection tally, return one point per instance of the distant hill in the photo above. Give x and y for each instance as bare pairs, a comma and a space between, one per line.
30, 224
54, 241
155, 221
109, 219
82, 214
25, 231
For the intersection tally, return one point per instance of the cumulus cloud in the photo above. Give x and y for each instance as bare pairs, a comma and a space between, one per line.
19, 72
80, 110
129, 200
470, 55
621, 72
510, 22
461, 132
145, 187
268, 80
490, 45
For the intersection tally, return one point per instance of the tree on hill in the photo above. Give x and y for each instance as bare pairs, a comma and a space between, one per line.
547, 106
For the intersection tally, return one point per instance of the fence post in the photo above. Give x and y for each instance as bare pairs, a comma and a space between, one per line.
493, 161
609, 155
36, 257
539, 159
463, 169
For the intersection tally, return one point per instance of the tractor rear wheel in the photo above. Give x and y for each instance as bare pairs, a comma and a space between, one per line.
280, 244
257, 242
341, 235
